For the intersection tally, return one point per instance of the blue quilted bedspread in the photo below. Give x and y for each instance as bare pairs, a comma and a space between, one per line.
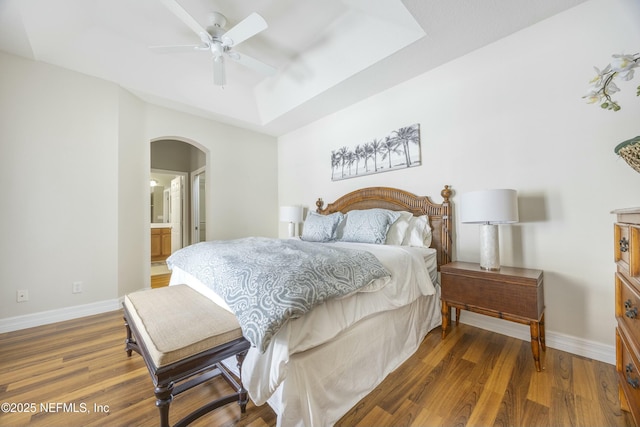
269, 281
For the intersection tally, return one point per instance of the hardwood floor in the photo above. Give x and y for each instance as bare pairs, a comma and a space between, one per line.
160, 280
76, 373
160, 274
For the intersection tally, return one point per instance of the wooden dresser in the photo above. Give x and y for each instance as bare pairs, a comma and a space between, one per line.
626, 233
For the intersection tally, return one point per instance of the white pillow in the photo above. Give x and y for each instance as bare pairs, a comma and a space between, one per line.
368, 225
397, 231
321, 228
419, 232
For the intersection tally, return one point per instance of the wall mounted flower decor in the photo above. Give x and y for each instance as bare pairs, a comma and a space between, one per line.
603, 84
603, 87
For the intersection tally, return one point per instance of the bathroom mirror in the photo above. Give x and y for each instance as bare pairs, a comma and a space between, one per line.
159, 187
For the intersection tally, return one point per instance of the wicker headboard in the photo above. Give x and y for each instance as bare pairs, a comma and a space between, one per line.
400, 200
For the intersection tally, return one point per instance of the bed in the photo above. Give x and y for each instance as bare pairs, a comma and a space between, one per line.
318, 364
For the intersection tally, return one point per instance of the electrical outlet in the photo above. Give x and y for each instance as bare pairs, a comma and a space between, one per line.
22, 295
76, 288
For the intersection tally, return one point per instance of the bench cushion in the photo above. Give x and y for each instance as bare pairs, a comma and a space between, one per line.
177, 322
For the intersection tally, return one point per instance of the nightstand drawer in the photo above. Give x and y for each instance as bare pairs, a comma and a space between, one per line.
496, 291
627, 248
515, 291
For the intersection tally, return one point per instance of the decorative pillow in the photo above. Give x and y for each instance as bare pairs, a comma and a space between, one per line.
397, 231
368, 226
419, 232
321, 228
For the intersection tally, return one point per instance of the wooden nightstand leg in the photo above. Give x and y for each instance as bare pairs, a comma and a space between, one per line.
535, 344
542, 342
446, 318
458, 316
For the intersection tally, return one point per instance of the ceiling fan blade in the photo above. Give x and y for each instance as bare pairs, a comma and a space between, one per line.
187, 19
185, 48
248, 27
219, 75
252, 63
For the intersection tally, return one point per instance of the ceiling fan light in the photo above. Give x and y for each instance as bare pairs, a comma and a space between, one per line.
217, 50
219, 74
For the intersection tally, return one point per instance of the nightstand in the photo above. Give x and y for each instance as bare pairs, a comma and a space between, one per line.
514, 294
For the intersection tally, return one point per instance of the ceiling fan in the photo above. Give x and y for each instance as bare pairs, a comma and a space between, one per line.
218, 41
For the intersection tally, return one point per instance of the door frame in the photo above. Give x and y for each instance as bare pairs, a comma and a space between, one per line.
195, 204
186, 236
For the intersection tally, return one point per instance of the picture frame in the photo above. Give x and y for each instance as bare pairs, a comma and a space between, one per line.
400, 149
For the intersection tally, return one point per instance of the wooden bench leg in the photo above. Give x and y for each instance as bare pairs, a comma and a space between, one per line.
164, 397
128, 341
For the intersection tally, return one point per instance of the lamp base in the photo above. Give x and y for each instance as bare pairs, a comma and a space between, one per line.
489, 247
292, 229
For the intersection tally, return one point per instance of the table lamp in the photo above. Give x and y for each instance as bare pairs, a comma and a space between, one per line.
292, 215
489, 208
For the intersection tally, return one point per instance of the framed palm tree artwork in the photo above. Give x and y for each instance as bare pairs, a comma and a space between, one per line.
398, 150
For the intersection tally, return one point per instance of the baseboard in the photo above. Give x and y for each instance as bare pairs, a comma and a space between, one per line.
52, 316
581, 347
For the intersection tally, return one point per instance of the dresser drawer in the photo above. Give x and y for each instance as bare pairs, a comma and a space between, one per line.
629, 376
626, 248
628, 306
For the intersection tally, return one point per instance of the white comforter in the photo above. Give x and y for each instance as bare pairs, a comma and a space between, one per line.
413, 274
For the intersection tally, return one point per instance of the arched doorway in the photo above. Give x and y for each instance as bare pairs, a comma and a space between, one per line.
177, 208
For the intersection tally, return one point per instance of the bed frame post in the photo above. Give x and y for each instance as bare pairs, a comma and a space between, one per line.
447, 240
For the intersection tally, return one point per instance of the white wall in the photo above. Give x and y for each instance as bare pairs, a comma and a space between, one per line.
75, 162
59, 166
133, 190
510, 115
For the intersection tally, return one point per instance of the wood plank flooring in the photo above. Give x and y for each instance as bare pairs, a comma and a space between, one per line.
160, 280
76, 373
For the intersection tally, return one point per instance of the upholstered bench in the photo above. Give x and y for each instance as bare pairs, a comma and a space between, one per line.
183, 338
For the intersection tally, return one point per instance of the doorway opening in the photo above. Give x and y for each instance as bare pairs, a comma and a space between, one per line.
169, 205
177, 203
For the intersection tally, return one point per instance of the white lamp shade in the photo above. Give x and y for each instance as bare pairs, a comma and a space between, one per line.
489, 207
291, 214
